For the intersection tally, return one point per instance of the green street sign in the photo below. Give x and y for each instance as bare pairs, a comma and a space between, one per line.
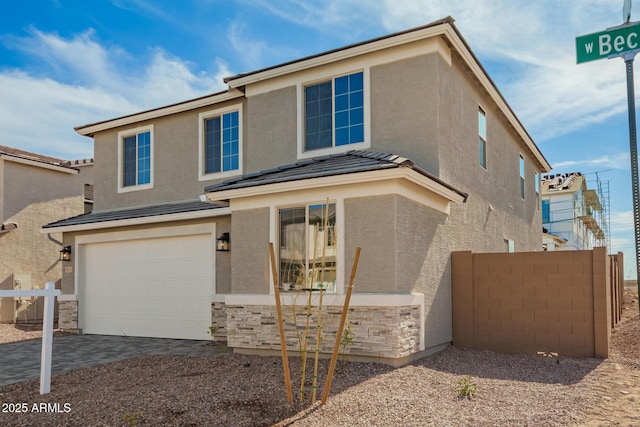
612, 42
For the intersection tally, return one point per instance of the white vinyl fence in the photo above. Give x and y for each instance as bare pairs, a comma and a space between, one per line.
49, 293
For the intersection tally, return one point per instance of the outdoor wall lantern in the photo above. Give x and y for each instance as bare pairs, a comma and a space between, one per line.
223, 243
65, 254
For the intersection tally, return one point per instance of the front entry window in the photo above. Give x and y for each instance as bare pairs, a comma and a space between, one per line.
308, 247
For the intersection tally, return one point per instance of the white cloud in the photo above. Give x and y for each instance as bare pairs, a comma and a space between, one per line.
168, 79
617, 161
92, 84
250, 52
622, 222
39, 114
342, 18
530, 47
79, 58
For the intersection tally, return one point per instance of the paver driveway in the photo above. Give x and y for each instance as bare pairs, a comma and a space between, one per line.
20, 361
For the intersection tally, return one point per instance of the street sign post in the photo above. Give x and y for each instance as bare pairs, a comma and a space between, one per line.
621, 41
610, 43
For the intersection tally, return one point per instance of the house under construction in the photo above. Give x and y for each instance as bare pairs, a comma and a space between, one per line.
574, 217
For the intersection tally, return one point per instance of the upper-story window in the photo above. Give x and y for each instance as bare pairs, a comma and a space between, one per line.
333, 115
220, 143
521, 176
546, 213
537, 184
482, 138
135, 159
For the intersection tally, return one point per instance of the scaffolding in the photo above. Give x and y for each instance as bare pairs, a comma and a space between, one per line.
602, 216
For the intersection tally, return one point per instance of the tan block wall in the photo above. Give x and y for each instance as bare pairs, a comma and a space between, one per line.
382, 332
552, 302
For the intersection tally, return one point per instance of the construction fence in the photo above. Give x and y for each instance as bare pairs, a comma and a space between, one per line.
560, 302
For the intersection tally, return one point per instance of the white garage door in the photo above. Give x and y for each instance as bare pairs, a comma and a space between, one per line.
157, 287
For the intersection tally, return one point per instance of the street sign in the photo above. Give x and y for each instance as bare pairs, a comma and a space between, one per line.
612, 42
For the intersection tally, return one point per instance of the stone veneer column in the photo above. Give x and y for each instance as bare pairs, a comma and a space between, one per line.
68, 315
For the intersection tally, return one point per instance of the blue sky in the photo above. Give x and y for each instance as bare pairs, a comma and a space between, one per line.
65, 63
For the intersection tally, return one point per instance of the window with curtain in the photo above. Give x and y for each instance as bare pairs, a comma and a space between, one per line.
307, 247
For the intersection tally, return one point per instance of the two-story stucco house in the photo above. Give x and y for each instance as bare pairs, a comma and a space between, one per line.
34, 190
401, 145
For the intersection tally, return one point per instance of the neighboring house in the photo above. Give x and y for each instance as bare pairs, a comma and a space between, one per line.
35, 190
401, 145
572, 214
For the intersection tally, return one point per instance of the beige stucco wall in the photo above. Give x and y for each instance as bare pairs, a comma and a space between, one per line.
427, 110
32, 197
271, 129
421, 107
405, 110
175, 162
405, 249
250, 251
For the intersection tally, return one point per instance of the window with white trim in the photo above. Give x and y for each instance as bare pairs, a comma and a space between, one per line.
536, 177
307, 255
521, 176
509, 245
482, 138
334, 113
135, 159
220, 143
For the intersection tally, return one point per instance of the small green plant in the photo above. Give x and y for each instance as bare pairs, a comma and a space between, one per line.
131, 419
345, 342
212, 331
466, 388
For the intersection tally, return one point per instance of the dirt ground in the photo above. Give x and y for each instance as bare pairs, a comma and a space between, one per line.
615, 385
237, 390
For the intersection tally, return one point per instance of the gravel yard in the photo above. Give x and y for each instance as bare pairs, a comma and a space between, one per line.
240, 390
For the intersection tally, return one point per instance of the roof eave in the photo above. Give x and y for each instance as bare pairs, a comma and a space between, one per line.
90, 129
39, 164
154, 219
405, 173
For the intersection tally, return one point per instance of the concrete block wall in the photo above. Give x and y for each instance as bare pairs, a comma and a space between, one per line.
381, 332
552, 302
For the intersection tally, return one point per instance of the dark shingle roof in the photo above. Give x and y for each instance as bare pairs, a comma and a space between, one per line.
353, 161
41, 158
137, 212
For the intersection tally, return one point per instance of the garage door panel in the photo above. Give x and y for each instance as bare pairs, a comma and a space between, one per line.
171, 288
157, 287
